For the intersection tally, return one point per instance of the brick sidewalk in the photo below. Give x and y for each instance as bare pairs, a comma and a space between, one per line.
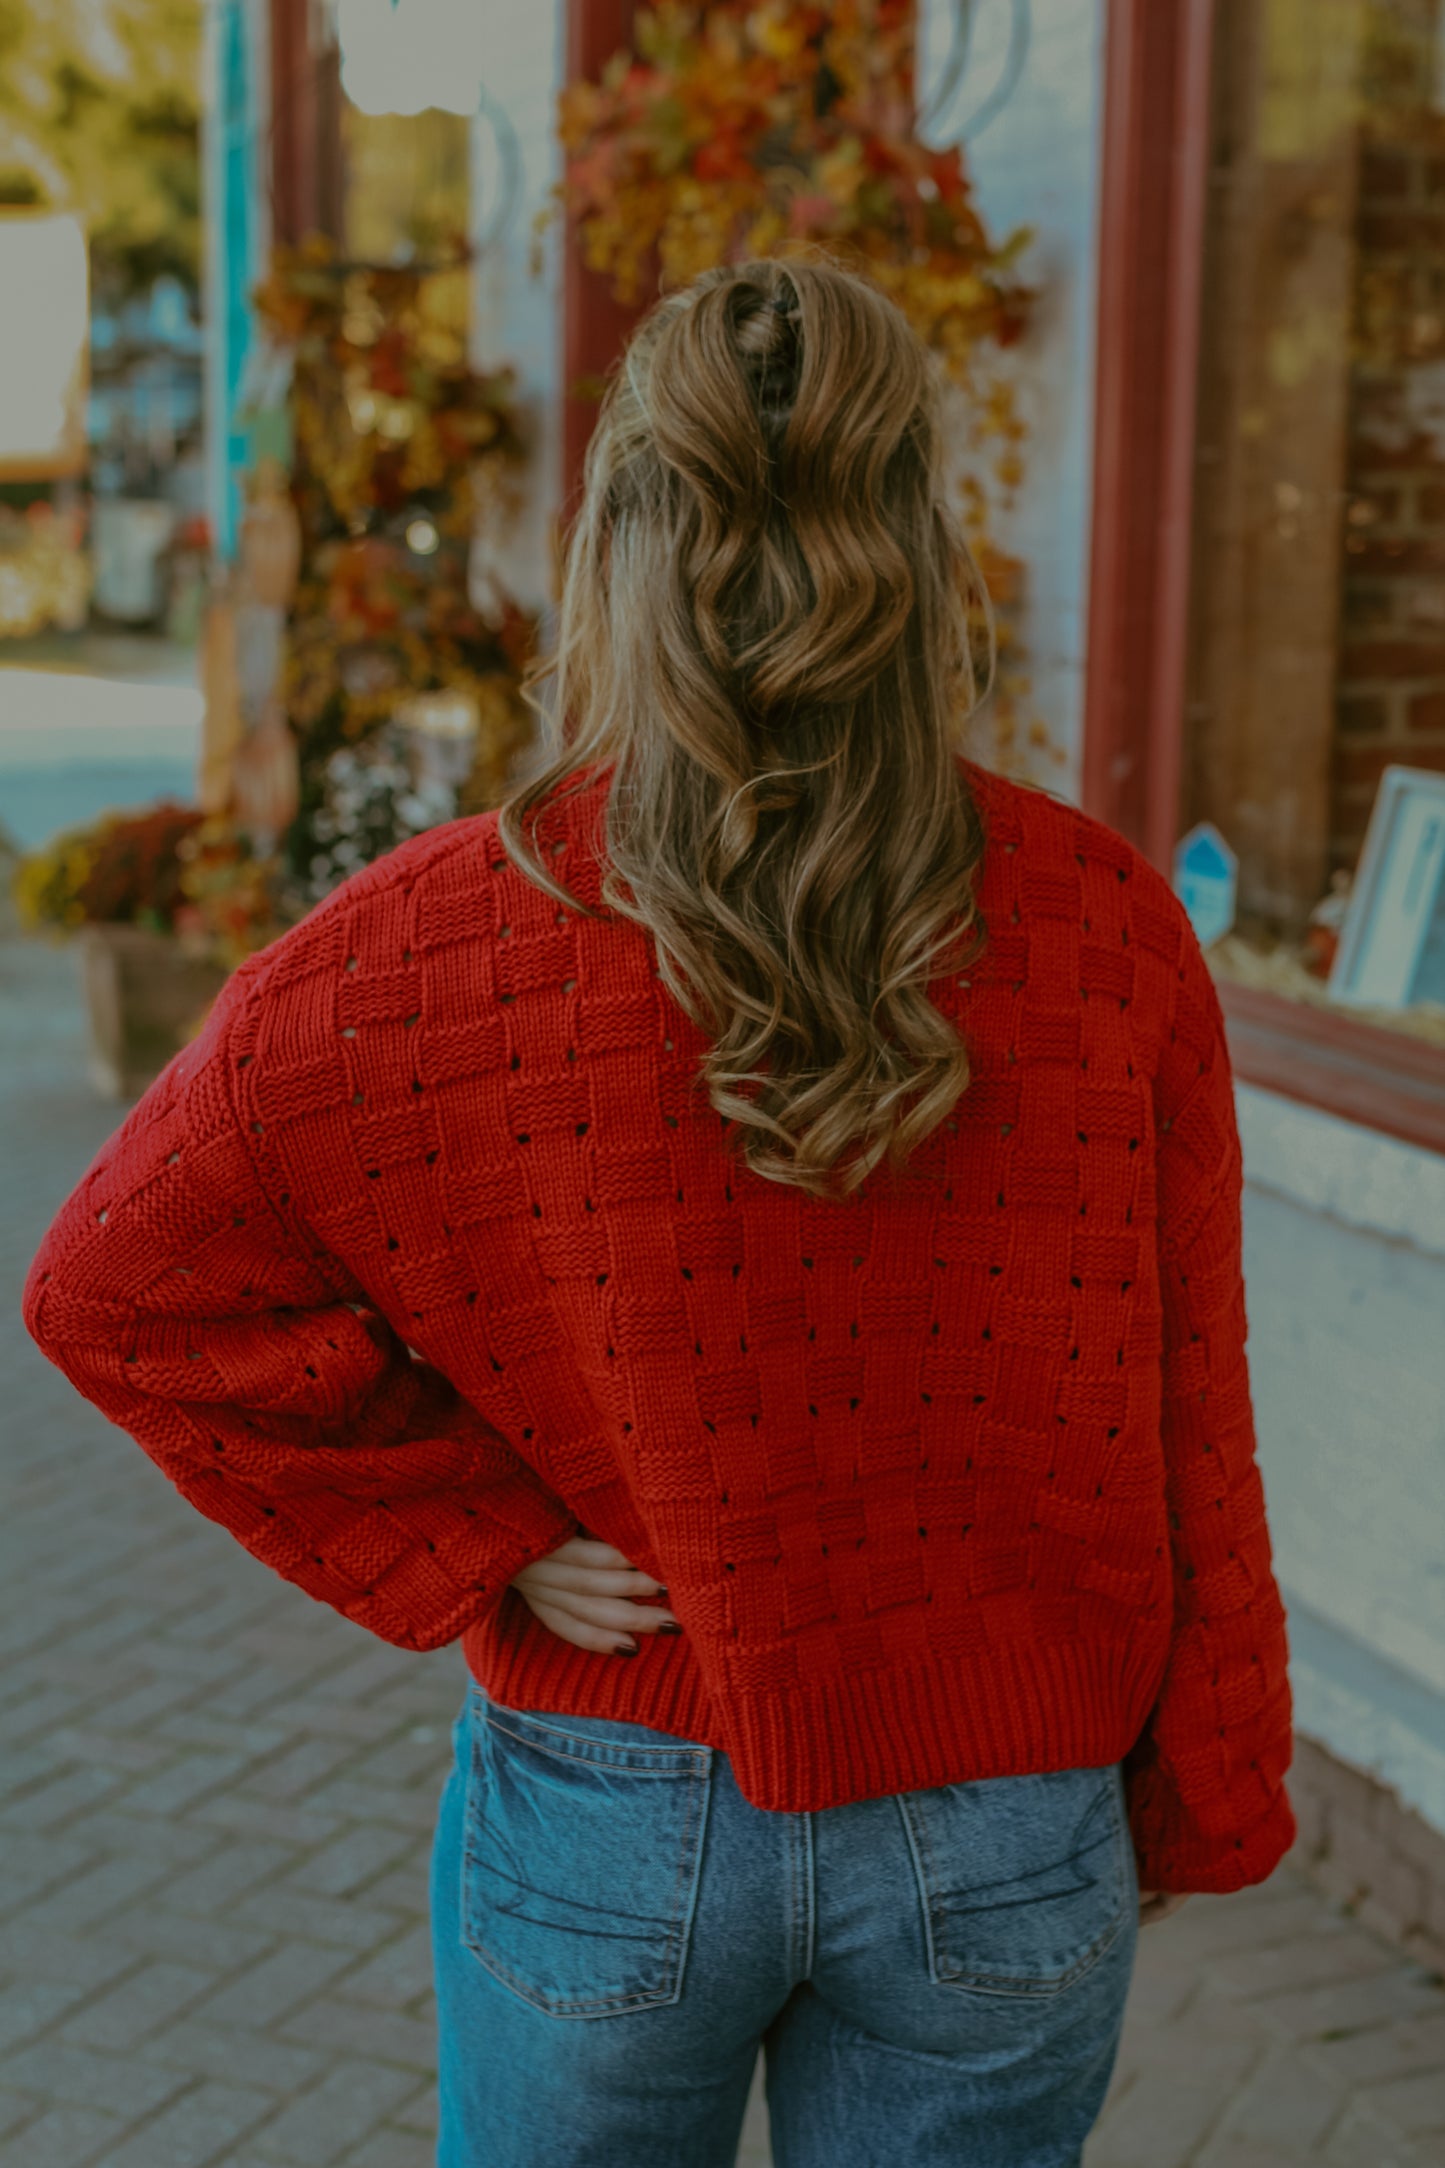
216, 1801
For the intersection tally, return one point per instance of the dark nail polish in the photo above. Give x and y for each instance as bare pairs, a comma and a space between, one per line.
669, 1629
621, 1649
662, 1592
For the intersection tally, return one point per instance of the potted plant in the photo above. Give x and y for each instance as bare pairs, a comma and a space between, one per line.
119, 885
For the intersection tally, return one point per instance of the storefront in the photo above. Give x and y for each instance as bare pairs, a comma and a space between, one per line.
1231, 615
1267, 552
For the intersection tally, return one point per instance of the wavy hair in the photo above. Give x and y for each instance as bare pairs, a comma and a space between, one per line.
769, 627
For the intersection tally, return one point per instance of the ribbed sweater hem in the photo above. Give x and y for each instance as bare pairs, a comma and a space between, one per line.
823, 1743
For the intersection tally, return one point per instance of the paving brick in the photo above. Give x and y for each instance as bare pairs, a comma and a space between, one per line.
28, 1767
1415, 2104
87, 1900
150, 1930
1361, 2141
316, 1717
54, 2070
216, 1881
278, 1825
112, 1832
157, 1698
15, 2113
349, 2028
235, 2056
187, 1780
195, 2130
321, 2125
404, 1889
102, 1750
347, 1922
1226, 2152
421, 2113
1308, 1960
37, 1710
1160, 2121
349, 1862
50, 1805
1209, 1927
1435, 1913
199, 1727
297, 1771
1288, 2101
86, 1962
264, 1994
397, 1974
393, 2149
1345, 2008
1384, 2051
141, 2004
63, 2137
27, 2007
413, 1810
34, 1863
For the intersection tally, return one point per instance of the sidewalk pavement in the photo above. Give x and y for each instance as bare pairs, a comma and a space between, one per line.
215, 1809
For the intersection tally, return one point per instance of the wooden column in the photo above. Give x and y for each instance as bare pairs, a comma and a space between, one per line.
1151, 222
594, 325
306, 179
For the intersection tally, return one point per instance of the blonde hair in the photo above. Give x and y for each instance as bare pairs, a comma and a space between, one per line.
768, 622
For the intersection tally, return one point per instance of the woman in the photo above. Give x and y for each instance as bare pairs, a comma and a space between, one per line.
764, 1204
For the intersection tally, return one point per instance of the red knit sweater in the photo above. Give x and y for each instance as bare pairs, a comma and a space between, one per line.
426, 1255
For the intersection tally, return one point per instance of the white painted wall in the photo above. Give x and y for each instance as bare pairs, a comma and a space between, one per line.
1035, 163
1345, 1270
518, 310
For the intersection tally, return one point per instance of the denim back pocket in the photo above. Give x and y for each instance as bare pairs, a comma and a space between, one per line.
1024, 1881
582, 1857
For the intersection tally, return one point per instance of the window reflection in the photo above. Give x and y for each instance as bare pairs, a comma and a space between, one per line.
1317, 661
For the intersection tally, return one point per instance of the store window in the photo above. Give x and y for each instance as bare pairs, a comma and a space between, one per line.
1314, 651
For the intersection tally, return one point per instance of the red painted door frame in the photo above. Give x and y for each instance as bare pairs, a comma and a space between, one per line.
594, 325
1153, 190
305, 126
1153, 196
293, 122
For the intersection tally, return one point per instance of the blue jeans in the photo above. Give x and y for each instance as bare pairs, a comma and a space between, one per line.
934, 1977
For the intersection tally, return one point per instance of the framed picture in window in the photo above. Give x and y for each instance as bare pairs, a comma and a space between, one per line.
1392, 948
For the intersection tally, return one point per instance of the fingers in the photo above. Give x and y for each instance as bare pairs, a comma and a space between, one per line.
609, 1612
1156, 1905
555, 1573
587, 1551
579, 1632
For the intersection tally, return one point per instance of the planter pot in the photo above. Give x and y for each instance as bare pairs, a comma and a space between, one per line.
144, 996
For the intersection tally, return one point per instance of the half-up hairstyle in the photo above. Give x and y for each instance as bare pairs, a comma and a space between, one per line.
768, 624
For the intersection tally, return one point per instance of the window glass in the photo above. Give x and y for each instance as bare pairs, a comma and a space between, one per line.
1316, 677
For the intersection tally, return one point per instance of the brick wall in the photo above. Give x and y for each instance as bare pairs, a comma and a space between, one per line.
1391, 683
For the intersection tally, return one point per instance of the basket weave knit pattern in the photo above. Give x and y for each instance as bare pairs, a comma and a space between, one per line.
428, 1254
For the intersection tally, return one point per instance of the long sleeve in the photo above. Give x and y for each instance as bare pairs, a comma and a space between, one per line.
1208, 1806
174, 1296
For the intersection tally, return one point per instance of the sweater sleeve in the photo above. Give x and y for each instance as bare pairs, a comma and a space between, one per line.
1208, 1806
173, 1295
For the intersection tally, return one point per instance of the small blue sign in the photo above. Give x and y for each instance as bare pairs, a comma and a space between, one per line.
1206, 881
